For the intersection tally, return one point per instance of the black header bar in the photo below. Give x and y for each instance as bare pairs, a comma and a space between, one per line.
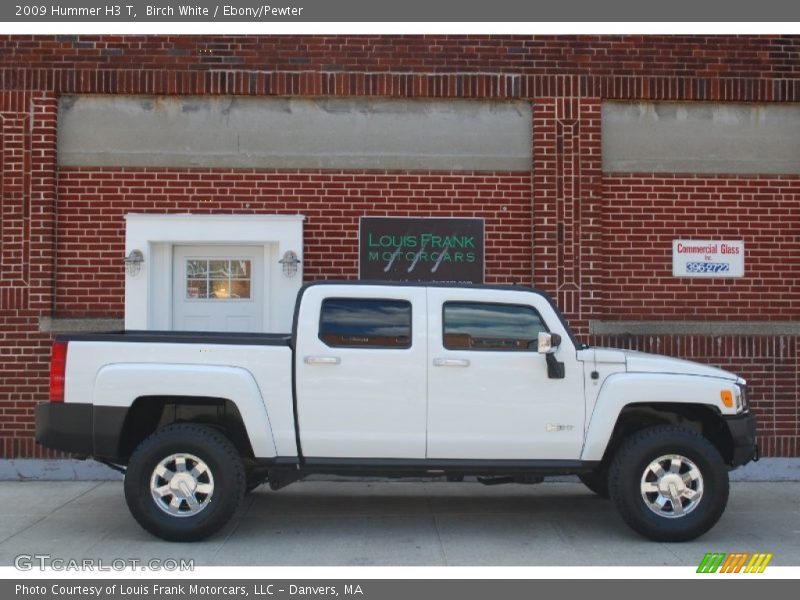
339, 11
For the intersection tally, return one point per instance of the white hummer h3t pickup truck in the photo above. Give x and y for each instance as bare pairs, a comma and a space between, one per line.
397, 380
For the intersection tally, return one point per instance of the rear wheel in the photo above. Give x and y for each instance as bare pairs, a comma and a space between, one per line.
184, 482
669, 484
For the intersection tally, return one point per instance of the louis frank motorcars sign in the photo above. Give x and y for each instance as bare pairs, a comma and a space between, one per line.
708, 258
421, 249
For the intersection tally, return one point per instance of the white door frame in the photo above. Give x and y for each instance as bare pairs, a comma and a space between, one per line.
148, 294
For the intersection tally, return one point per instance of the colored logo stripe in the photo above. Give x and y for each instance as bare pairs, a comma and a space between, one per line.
733, 563
711, 562
758, 563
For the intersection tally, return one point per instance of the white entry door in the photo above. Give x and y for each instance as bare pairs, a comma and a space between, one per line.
218, 288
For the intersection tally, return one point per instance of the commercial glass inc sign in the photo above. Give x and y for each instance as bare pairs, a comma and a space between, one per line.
708, 258
447, 250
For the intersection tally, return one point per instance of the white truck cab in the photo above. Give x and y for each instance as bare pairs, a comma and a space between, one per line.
379, 379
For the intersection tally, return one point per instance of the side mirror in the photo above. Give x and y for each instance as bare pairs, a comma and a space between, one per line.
548, 342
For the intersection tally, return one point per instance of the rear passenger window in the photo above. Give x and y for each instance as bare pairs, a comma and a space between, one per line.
488, 326
365, 323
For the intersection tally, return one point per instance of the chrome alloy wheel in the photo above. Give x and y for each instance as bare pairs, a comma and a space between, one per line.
182, 485
672, 486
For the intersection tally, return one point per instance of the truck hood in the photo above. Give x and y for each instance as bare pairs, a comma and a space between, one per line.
641, 362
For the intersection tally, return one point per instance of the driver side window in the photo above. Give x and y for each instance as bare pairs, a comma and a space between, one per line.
491, 326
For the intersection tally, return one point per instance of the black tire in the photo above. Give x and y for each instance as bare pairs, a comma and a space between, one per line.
222, 470
596, 481
629, 475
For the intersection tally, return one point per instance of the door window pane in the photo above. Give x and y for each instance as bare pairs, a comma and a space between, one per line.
240, 288
220, 288
219, 269
365, 323
487, 326
218, 279
240, 269
197, 268
197, 288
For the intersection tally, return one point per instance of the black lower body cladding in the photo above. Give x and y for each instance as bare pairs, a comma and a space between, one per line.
743, 433
65, 426
80, 428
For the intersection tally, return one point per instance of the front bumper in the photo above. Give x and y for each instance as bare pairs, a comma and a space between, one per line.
742, 429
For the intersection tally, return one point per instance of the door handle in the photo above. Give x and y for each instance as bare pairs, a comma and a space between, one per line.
322, 360
450, 362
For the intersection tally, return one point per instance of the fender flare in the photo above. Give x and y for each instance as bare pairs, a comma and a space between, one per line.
623, 389
119, 385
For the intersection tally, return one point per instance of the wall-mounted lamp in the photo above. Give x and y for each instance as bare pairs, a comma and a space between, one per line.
133, 262
289, 263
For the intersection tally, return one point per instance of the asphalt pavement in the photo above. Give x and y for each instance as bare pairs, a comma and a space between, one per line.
328, 523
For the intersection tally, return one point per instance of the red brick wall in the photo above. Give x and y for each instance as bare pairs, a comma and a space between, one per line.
24, 369
567, 177
643, 213
721, 67
714, 56
92, 204
27, 185
567, 227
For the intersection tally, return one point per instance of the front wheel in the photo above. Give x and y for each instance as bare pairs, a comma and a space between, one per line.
184, 482
668, 483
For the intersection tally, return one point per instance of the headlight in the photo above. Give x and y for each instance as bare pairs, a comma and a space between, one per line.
735, 398
741, 399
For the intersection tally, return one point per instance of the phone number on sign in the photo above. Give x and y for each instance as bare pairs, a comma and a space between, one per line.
707, 267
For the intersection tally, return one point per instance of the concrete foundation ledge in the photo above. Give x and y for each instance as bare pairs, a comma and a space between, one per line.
30, 469
599, 327
59, 325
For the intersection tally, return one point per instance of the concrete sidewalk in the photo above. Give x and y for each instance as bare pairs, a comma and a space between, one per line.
393, 523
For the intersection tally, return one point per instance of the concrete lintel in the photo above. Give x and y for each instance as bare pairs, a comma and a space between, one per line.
294, 133
701, 137
598, 327
57, 325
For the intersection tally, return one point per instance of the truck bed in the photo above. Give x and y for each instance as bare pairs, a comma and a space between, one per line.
183, 337
109, 372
